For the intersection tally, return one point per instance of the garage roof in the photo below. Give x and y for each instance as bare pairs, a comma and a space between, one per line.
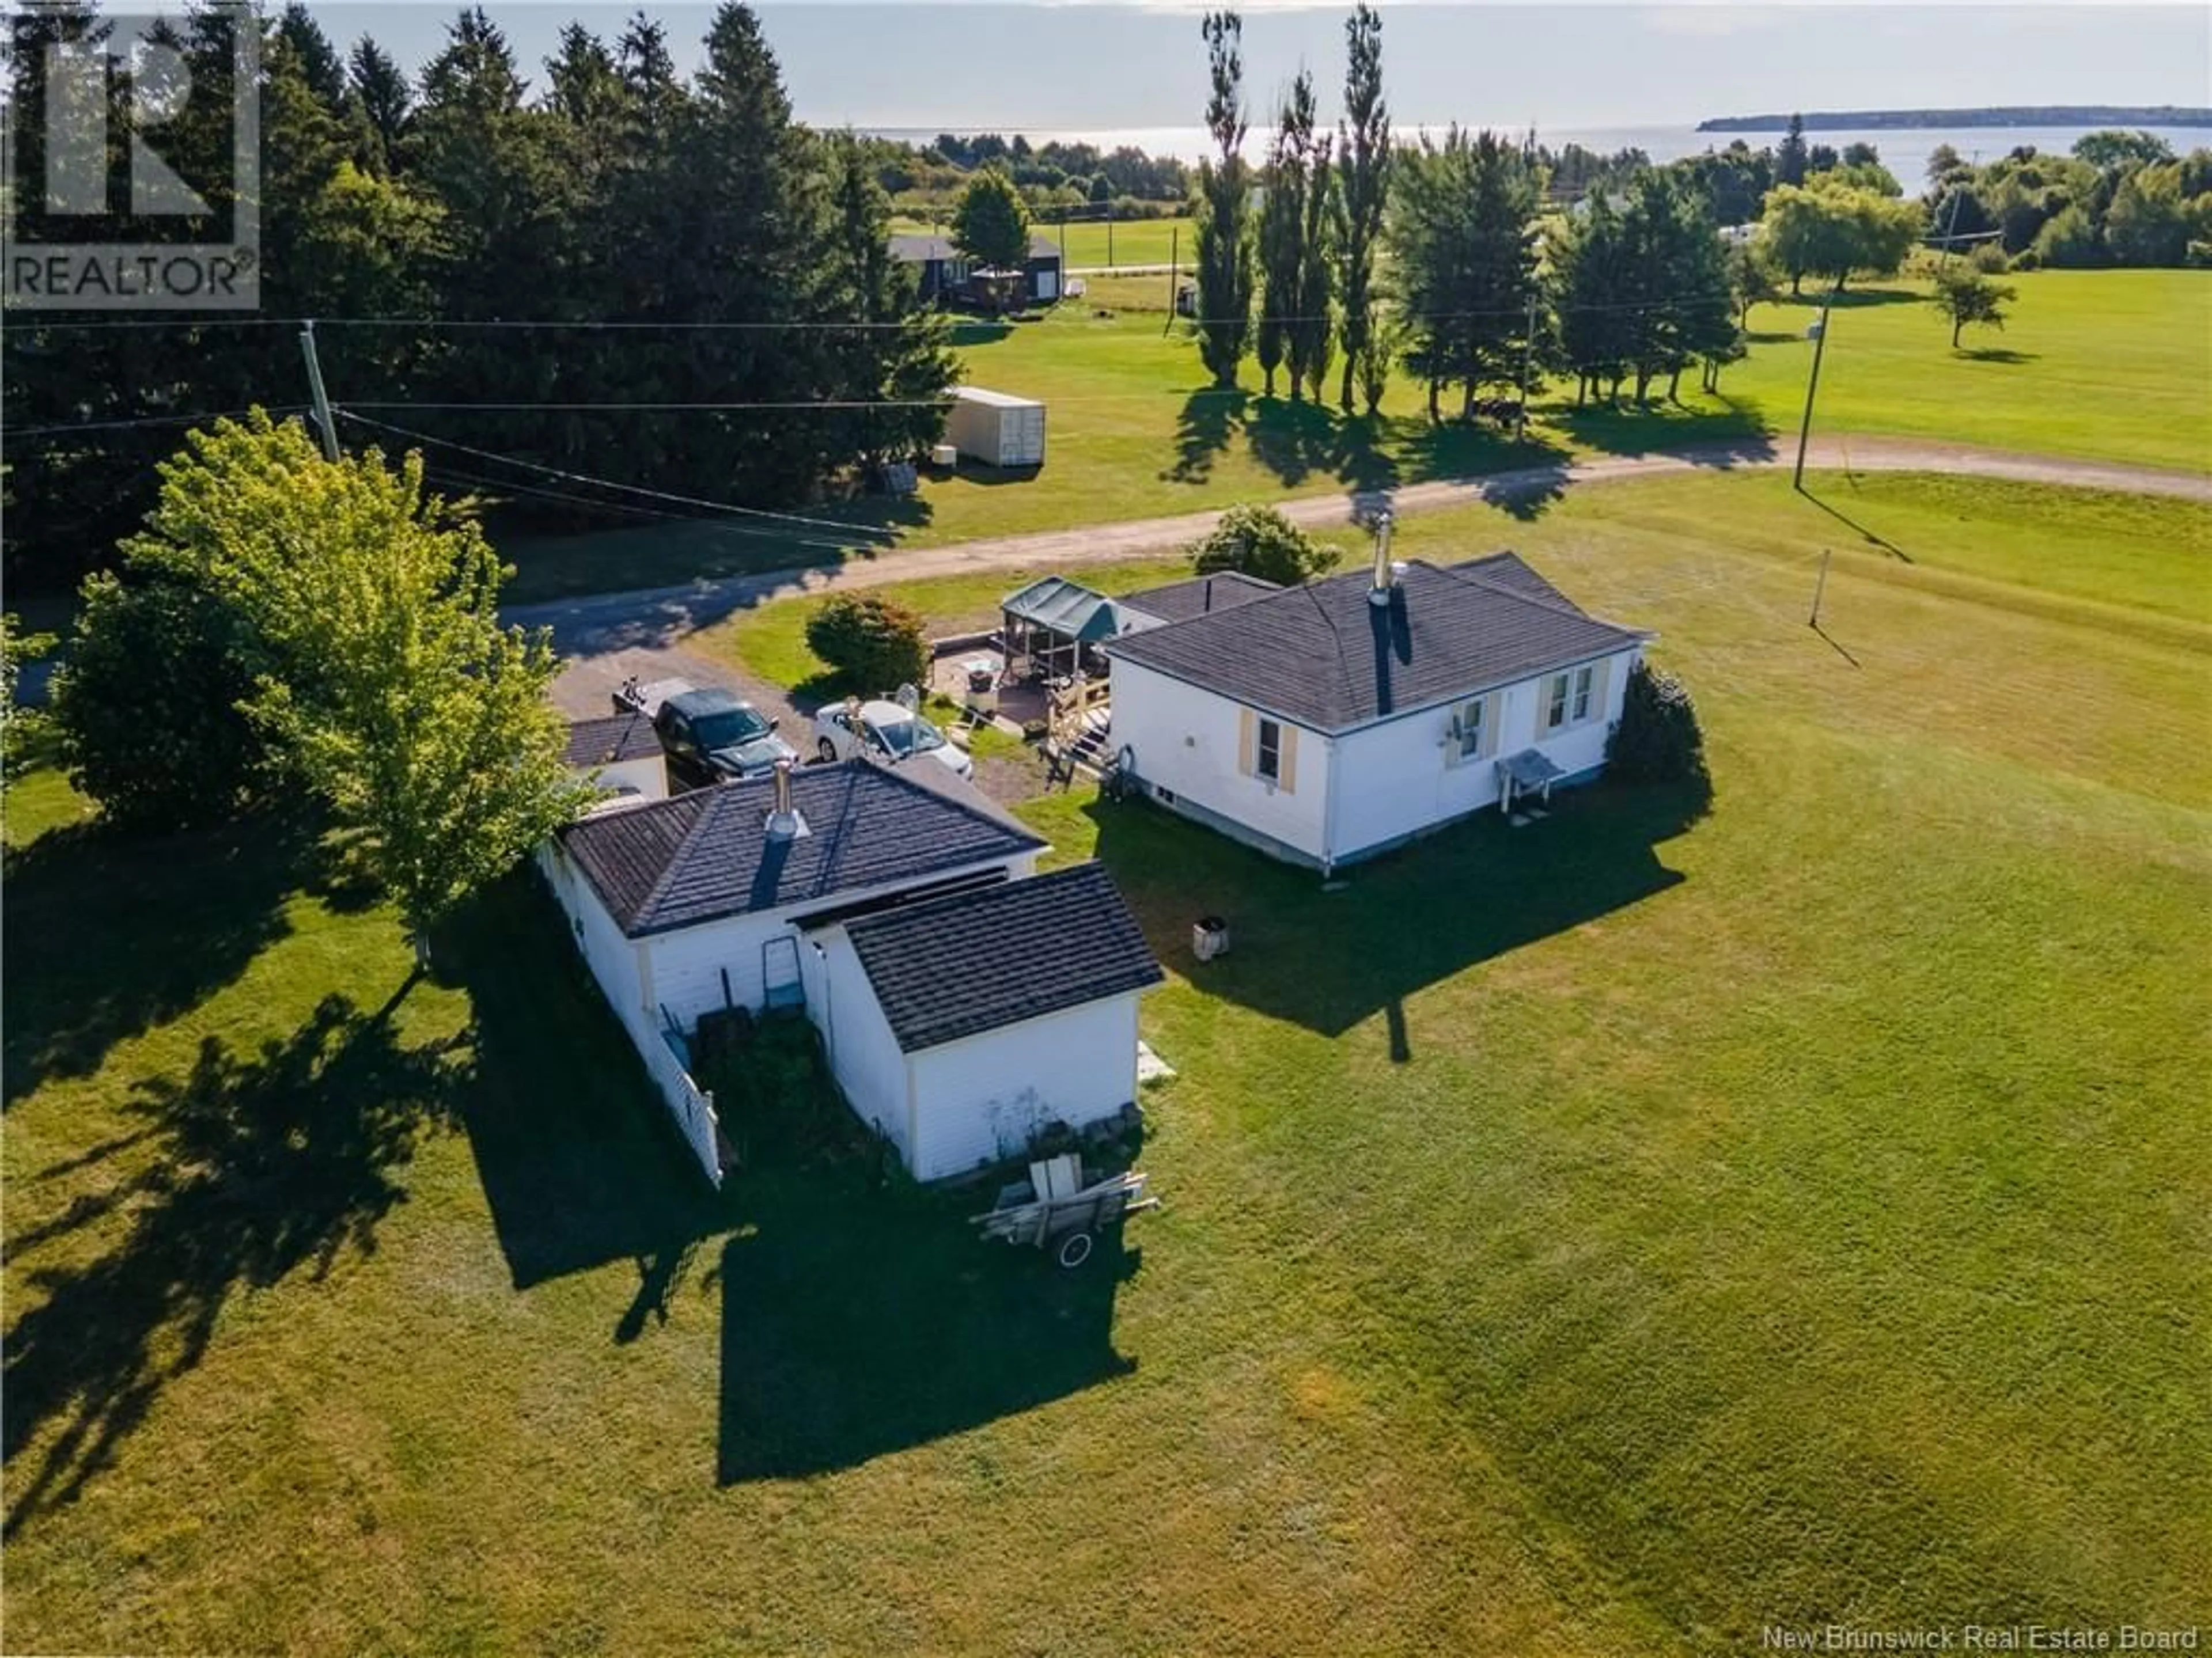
609, 739
708, 854
961, 966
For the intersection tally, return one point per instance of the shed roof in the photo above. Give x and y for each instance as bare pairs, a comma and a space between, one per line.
1320, 655
609, 739
1066, 608
1179, 601
706, 855
960, 966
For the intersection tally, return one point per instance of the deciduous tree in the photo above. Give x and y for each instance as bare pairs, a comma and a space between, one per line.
1224, 241
1259, 541
991, 225
1363, 152
1963, 296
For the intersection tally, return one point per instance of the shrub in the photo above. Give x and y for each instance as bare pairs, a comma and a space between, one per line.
873, 643
2070, 242
1259, 541
1657, 739
18, 726
148, 706
1989, 260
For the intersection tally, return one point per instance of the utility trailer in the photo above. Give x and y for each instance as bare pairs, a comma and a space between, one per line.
1059, 1205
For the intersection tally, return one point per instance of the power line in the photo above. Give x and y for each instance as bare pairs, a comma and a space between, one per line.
147, 420
507, 486
589, 482
782, 405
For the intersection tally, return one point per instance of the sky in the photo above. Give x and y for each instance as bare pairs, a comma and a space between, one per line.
1582, 66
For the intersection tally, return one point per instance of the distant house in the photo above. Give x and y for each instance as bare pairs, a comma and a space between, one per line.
958, 1017
1327, 722
946, 271
622, 753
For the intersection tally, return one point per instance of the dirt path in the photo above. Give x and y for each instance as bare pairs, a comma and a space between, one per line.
608, 636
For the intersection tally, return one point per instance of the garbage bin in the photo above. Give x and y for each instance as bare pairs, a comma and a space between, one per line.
1209, 937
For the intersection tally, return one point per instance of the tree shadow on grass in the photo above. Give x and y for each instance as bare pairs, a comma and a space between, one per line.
1470, 893
270, 1164
855, 1325
1732, 435
579, 1163
1998, 354
1210, 415
110, 934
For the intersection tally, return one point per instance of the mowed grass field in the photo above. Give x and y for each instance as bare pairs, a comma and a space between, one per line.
1088, 245
1610, 1237
2107, 365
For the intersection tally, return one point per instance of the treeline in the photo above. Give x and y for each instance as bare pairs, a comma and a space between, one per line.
2007, 115
488, 219
1488, 284
2120, 198
1052, 174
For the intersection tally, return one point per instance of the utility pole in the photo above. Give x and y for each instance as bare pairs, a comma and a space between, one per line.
1174, 260
324, 422
1812, 385
1819, 586
1109, 235
1527, 357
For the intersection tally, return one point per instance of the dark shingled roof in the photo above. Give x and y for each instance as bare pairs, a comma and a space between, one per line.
920, 249
1321, 656
957, 967
707, 854
1179, 601
611, 738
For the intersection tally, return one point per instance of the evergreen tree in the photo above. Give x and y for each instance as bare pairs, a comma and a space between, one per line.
896, 353
1225, 242
1790, 158
991, 225
1591, 282
386, 103
1463, 242
1363, 150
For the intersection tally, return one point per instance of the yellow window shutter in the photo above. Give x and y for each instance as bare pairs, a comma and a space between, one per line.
1248, 739
1599, 676
1493, 716
1287, 766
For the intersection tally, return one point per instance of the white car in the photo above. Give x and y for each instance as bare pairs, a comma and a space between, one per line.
885, 731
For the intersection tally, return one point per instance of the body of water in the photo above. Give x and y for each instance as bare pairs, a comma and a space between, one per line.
1905, 150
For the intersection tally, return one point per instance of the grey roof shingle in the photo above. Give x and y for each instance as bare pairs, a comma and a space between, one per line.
957, 967
1321, 656
1179, 601
921, 248
609, 739
707, 854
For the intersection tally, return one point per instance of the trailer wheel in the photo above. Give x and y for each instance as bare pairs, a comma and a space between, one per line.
1075, 1249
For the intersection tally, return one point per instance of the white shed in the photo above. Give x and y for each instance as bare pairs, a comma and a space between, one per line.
964, 1027
1327, 722
996, 428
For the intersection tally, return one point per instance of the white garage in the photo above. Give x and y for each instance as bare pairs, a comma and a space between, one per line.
965, 1027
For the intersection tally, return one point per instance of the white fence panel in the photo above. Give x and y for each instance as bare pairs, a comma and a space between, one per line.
693, 1109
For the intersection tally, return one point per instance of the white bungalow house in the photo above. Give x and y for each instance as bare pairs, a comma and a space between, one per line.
1328, 722
963, 1004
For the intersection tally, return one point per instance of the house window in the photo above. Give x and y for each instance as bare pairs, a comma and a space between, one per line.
1269, 761
1471, 730
1555, 702
1583, 679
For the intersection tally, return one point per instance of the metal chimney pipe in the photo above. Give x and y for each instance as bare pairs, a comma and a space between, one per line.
1379, 593
783, 816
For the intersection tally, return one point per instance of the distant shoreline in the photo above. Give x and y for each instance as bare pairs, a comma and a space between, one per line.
2017, 115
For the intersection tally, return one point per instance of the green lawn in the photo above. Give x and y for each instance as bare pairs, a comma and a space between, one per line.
1614, 1236
2110, 365
1133, 241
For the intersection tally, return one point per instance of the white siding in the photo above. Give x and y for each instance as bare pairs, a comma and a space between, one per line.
1397, 778
864, 1055
1187, 741
983, 1098
615, 961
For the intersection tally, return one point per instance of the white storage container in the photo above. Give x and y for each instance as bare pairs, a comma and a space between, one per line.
996, 429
